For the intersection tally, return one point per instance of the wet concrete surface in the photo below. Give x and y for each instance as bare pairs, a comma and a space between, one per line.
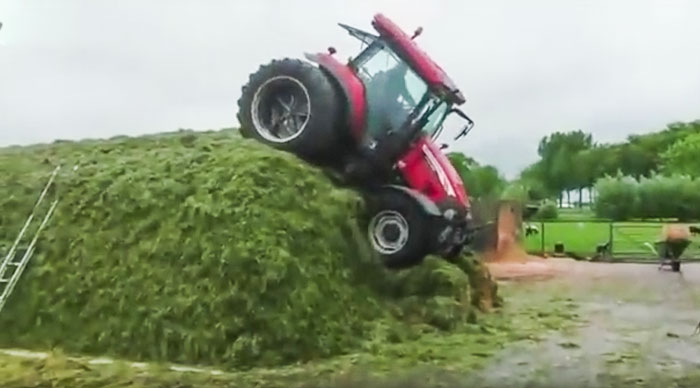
635, 328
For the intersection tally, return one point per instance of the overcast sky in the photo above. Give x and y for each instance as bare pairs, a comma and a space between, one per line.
73, 69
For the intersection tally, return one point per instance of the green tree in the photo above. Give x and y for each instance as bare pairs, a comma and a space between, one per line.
683, 157
607, 161
533, 177
587, 167
636, 161
480, 181
487, 180
515, 191
557, 152
573, 141
461, 162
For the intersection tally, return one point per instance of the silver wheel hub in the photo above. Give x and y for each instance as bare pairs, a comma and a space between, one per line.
388, 232
281, 109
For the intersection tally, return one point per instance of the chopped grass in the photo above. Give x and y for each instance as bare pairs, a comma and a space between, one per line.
431, 359
210, 249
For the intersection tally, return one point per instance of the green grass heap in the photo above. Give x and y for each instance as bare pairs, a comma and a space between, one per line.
205, 248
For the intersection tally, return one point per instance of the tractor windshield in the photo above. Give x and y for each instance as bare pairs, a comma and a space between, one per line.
393, 90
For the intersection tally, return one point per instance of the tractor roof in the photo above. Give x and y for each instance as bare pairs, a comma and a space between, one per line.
420, 62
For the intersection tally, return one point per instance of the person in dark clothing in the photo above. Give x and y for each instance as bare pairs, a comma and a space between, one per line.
387, 115
385, 91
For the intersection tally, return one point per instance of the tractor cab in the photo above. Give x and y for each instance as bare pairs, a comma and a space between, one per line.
408, 97
405, 90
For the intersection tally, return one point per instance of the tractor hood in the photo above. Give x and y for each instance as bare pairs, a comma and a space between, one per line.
420, 62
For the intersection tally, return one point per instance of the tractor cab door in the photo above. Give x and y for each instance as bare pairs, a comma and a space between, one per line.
392, 90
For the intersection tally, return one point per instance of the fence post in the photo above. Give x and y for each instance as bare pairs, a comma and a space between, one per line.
611, 238
542, 237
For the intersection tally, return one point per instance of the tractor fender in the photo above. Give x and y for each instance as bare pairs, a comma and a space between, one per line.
428, 206
352, 88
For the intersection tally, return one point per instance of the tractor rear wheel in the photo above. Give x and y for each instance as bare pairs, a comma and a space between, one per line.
293, 106
398, 229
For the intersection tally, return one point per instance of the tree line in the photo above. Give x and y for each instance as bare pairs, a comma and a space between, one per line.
485, 182
572, 161
630, 179
673, 196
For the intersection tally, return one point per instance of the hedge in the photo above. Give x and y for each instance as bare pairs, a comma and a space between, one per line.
623, 197
548, 211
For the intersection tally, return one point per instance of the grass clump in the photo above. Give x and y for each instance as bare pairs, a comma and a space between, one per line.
205, 249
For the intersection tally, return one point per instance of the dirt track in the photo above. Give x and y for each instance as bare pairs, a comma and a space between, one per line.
636, 327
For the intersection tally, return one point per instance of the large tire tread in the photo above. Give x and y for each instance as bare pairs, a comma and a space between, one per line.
319, 139
418, 245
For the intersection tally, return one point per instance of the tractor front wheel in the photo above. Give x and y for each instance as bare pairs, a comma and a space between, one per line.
398, 229
293, 106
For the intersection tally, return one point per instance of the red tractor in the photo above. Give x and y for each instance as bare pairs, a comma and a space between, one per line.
373, 122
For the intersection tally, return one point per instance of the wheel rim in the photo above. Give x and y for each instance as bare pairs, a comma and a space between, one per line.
388, 232
281, 109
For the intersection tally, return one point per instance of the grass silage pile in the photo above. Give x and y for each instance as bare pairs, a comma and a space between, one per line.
207, 249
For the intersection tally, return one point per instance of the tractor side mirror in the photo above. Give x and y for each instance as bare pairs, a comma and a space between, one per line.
468, 127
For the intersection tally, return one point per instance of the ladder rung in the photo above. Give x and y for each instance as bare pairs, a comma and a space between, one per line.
9, 283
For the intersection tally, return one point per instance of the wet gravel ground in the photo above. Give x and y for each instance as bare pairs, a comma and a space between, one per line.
635, 328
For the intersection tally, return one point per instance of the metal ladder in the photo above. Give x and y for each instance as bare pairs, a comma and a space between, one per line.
10, 268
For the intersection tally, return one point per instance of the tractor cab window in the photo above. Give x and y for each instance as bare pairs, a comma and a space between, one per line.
436, 112
393, 90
